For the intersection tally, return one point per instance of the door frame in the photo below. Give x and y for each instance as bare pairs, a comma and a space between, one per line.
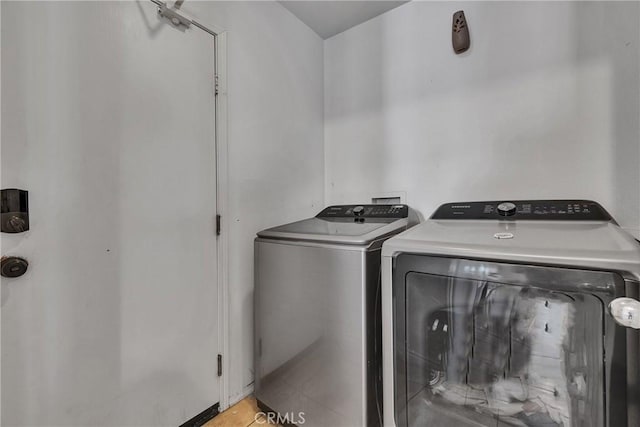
222, 207
222, 181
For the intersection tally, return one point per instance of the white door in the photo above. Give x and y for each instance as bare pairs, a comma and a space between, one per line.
108, 122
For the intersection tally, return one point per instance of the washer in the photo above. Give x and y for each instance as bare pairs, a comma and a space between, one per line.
316, 329
518, 313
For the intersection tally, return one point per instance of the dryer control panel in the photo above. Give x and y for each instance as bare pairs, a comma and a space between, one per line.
549, 210
365, 211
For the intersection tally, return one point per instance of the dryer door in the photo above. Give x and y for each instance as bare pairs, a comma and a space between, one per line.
488, 344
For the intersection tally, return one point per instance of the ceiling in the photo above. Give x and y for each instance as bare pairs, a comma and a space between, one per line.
328, 18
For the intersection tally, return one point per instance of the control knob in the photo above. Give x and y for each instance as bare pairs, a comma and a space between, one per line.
358, 210
506, 209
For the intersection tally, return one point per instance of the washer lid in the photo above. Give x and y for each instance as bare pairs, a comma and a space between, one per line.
599, 245
345, 231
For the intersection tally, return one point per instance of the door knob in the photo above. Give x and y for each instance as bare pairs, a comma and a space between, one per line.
13, 266
626, 312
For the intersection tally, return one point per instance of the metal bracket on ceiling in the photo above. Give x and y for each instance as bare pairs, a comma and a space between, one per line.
173, 15
178, 19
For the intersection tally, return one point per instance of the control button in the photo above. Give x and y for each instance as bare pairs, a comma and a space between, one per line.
358, 210
506, 209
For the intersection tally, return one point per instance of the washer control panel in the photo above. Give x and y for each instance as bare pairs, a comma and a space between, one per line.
556, 210
365, 211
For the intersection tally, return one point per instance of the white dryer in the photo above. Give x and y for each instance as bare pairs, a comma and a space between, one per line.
512, 314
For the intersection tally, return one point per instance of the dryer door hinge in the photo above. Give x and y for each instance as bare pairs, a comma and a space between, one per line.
219, 365
218, 225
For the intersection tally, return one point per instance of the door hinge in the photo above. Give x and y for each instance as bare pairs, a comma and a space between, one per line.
218, 225
219, 365
216, 85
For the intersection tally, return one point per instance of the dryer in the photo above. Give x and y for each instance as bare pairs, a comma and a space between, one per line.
512, 314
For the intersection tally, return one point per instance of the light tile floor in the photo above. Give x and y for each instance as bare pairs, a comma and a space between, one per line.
242, 414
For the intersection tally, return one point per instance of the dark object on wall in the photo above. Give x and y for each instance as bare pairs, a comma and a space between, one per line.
460, 33
15, 210
13, 266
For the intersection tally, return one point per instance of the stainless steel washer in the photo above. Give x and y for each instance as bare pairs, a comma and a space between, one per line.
317, 287
521, 313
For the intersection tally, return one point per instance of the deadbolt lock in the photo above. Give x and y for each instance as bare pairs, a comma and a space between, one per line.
15, 211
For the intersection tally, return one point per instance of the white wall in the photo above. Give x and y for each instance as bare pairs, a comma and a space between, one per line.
545, 104
276, 157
